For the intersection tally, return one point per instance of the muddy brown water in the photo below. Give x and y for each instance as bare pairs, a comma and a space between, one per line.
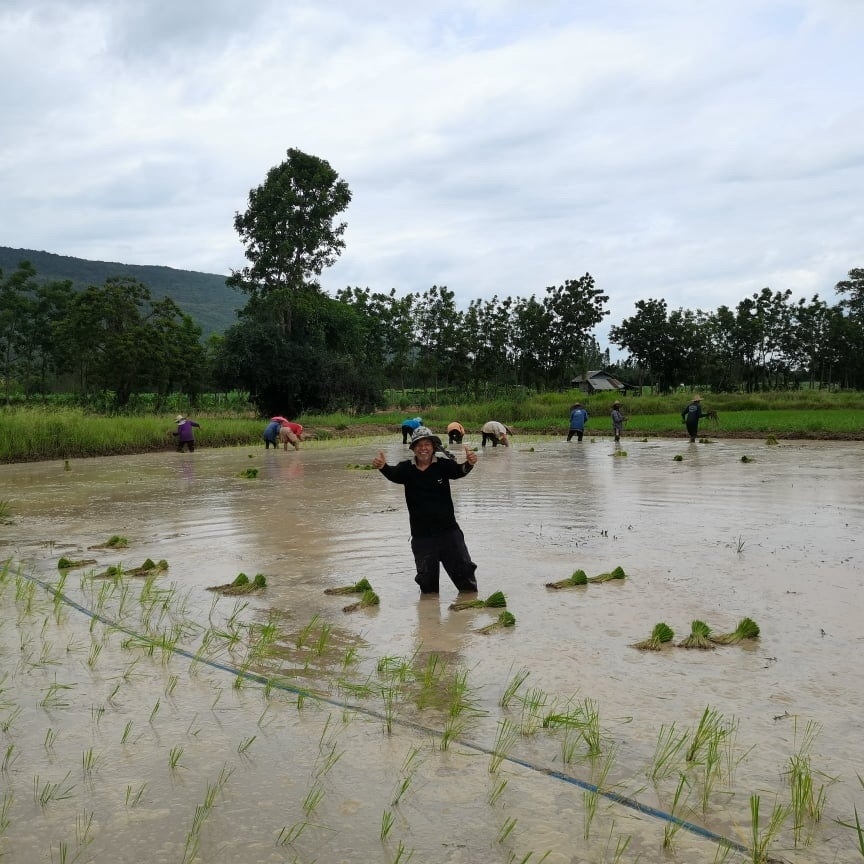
708, 537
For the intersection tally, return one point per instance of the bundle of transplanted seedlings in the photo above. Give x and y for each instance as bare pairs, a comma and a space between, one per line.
577, 577
617, 573
747, 629
505, 619
68, 564
148, 568
115, 541
356, 588
699, 636
497, 600
241, 585
660, 635
369, 598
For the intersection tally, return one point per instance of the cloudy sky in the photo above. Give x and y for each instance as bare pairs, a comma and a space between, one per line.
693, 150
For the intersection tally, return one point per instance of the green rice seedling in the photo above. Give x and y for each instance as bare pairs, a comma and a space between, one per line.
409, 765
506, 829
771, 441
600, 769
356, 588
505, 619
323, 640
710, 770
711, 725
672, 826
747, 629
5, 807
245, 744
134, 796
677, 458
287, 835
90, 760
304, 634
621, 844
55, 695
513, 687
9, 720
5, 512
149, 568
807, 804
699, 636
533, 718
575, 579
617, 573
249, 473
387, 820
97, 712
400, 856
368, 600
746, 460
155, 710
496, 791
93, 655
127, 731
389, 698
660, 635
590, 729
47, 792
496, 600
667, 750
620, 454
171, 685
506, 735
9, 758
69, 564
174, 756
313, 798
762, 839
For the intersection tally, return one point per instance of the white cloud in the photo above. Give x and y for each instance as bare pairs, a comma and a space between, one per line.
694, 152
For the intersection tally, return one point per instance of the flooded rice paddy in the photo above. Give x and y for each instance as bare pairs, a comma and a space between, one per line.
155, 720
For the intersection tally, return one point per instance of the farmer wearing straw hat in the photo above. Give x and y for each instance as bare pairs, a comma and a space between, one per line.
436, 537
184, 433
691, 416
618, 419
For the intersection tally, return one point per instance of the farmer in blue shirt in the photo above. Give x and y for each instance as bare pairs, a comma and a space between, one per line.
271, 434
408, 427
578, 419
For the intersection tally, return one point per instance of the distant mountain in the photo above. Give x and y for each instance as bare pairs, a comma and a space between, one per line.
204, 296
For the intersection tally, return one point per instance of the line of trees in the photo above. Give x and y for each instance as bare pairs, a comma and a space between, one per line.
296, 349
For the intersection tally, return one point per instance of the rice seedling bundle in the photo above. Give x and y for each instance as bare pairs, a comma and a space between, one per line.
356, 588
67, 564
115, 541
505, 619
699, 636
242, 584
148, 568
577, 577
369, 598
747, 629
617, 573
661, 634
497, 600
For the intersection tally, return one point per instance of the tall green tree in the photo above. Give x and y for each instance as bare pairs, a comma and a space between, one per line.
290, 233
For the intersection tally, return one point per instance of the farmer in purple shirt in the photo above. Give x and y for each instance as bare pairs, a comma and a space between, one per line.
184, 433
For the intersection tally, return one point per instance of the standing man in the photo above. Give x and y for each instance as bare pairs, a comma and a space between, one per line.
618, 419
691, 416
184, 433
436, 537
408, 427
578, 419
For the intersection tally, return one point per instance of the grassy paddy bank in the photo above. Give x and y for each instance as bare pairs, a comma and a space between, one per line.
33, 434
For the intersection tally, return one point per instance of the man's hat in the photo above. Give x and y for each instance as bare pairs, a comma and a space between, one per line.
422, 432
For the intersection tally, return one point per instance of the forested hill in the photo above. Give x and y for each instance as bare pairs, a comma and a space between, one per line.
204, 296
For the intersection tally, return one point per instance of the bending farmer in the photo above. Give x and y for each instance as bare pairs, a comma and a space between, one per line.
436, 537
